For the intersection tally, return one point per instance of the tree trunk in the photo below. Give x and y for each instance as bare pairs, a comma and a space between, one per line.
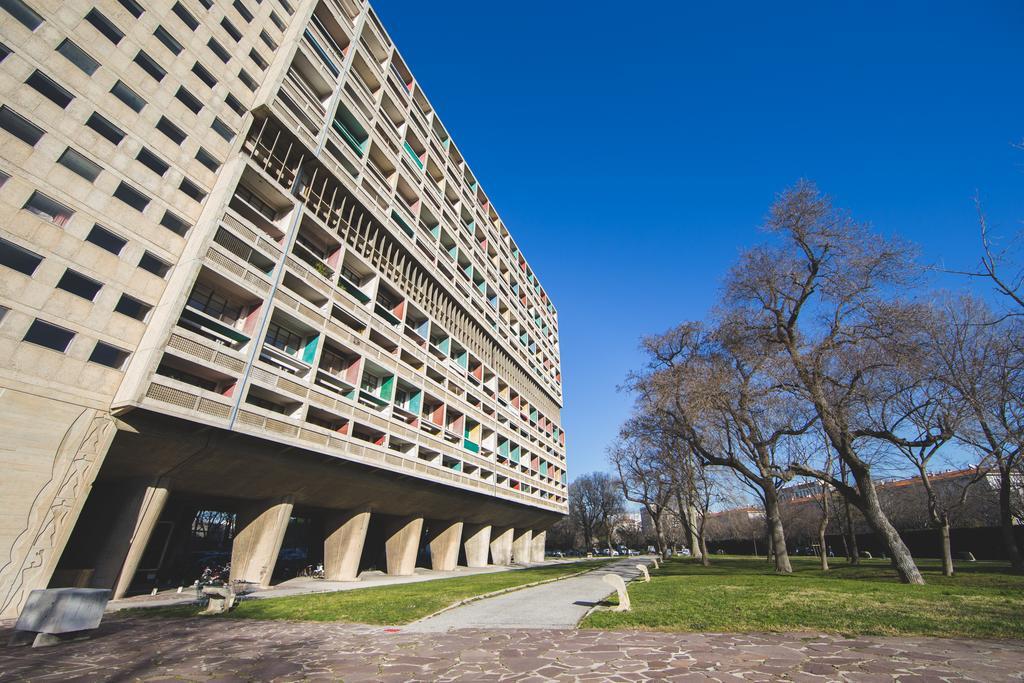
691, 516
705, 559
1006, 519
659, 535
947, 552
872, 510
851, 535
822, 528
776, 533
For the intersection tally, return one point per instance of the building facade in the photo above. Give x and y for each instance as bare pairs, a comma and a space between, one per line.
254, 306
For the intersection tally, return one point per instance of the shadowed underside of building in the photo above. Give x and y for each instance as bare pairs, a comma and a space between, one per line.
255, 307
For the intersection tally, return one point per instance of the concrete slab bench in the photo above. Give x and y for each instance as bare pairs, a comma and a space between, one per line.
54, 615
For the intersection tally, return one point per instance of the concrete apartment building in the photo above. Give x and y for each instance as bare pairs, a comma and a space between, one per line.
252, 297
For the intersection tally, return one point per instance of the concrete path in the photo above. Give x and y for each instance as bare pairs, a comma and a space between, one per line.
152, 650
559, 604
303, 586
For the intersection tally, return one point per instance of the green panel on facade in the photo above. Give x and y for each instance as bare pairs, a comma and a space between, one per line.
309, 352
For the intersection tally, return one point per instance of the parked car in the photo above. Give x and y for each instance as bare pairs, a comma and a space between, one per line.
685, 552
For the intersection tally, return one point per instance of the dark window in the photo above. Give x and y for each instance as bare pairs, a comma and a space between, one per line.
50, 336
185, 16
174, 224
49, 88
48, 209
257, 59
132, 197
104, 26
230, 29
208, 4
189, 100
80, 164
150, 66
168, 40
283, 339
78, 57
218, 49
105, 128
268, 41
192, 190
132, 307
204, 298
18, 126
128, 96
165, 126
152, 161
104, 239
133, 7
207, 159
23, 13
79, 285
4, 51
277, 21
204, 75
16, 258
287, 6
235, 105
247, 80
155, 265
222, 129
242, 10
108, 355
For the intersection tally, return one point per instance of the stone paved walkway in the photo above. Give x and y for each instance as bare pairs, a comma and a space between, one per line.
132, 648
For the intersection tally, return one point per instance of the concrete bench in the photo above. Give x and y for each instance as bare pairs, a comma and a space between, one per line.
54, 615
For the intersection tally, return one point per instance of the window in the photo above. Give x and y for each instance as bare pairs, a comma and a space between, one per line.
204, 75
4, 51
174, 224
283, 339
152, 161
185, 16
150, 66
128, 96
192, 190
50, 336
133, 7
207, 159
257, 59
132, 197
3, 313
47, 87
132, 307
277, 21
48, 209
16, 258
105, 128
189, 100
287, 6
168, 40
222, 129
104, 239
165, 126
204, 298
268, 41
230, 29
154, 265
247, 80
218, 49
108, 355
256, 202
242, 10
23, 13
18, 126
104, 26
79, 285
80, 164
235, 105
78, 57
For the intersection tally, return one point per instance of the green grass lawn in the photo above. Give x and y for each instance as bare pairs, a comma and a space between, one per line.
983, 600
387, 605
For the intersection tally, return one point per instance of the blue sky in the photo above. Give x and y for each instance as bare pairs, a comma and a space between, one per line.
633, 149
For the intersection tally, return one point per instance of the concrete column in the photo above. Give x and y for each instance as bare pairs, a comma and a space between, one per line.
343, 543
402, 544
258, 539
537, 545
501, 545
444, 545
128, 535
522, 552
476, 539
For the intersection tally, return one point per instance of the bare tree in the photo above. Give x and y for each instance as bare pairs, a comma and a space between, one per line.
585, 507
639, 462
827, 295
